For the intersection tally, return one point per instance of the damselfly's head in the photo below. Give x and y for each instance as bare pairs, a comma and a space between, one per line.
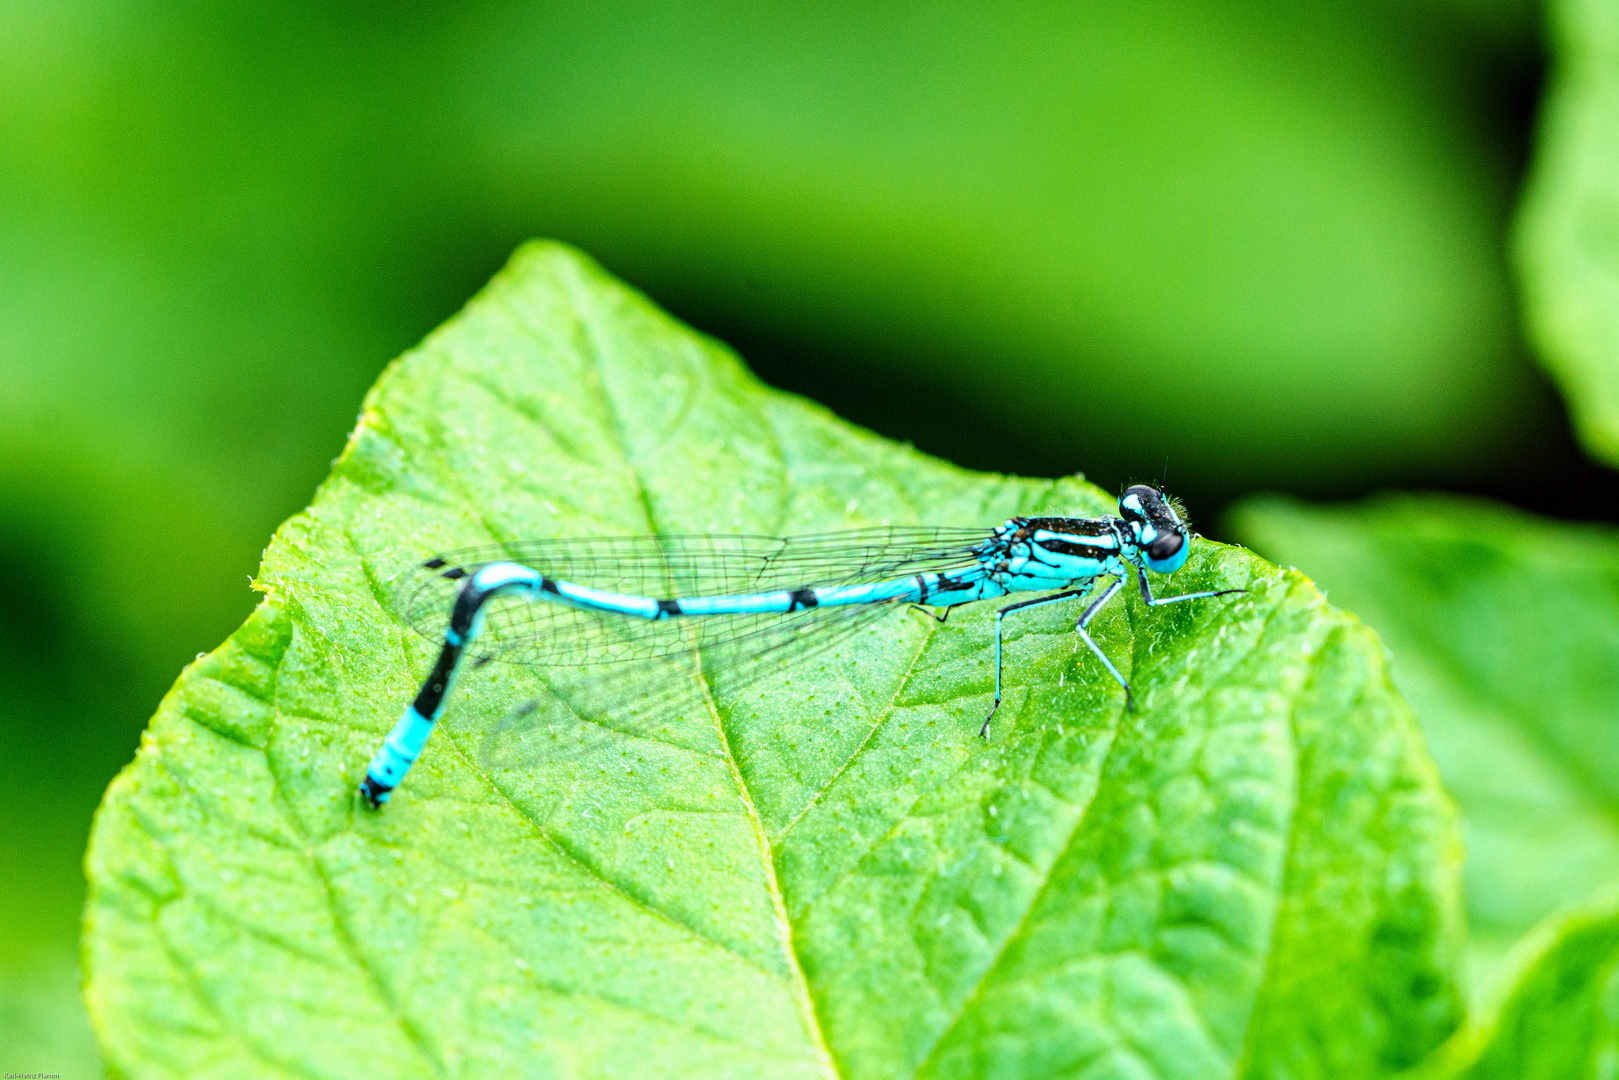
1157, 526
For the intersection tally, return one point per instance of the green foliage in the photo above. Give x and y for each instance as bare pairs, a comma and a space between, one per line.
1505, 634
1252, 875
1559, 1021
217, 221
1568, 236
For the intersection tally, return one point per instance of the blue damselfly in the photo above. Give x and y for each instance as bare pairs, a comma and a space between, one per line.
599, 600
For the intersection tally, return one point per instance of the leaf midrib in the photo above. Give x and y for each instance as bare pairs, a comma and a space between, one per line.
585, 306
1015, 932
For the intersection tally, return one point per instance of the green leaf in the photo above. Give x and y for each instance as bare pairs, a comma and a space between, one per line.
1505, 634
1568, 232
1560, 1020
826, 873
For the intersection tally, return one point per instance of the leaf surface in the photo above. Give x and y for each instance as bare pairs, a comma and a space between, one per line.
1505, 634
823, 873
1568, 229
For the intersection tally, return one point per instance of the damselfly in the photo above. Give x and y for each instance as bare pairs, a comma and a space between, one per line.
599, 600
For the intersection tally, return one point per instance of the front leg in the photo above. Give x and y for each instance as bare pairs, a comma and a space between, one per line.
1159, 601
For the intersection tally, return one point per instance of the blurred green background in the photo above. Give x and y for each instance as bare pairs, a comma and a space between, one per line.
1242, 245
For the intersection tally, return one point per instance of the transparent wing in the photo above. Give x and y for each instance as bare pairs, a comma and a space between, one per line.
589, 708
664, 567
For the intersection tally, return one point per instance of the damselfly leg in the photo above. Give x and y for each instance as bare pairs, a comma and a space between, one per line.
983, 732
1081, 628
1160, 601
1085, 636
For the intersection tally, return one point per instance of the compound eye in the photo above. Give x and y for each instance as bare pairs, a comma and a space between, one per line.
1165, 546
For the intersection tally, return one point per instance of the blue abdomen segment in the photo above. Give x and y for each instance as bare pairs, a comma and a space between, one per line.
395, 756
922, 588
404, 743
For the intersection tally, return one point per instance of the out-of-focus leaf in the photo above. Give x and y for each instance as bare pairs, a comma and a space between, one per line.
1510, 24
217, 221
1505, 634
1041, 214
826, 873
1558, 1013
54, 750
42, 1025
1568, 232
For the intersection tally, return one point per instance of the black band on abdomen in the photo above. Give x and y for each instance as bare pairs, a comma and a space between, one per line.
430, 698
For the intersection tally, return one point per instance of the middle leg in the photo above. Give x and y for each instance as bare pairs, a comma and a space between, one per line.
983, 732
1085, 636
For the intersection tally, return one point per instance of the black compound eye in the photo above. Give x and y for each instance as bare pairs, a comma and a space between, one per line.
1165, 546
